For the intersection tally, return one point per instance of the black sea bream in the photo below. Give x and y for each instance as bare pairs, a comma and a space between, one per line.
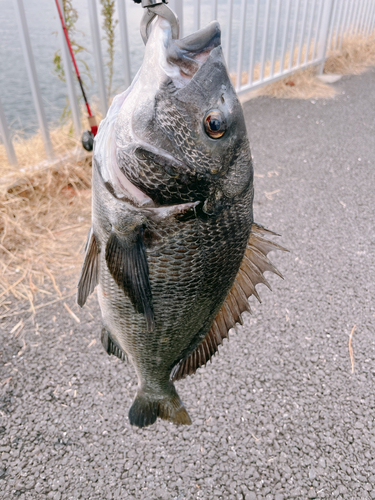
173, 247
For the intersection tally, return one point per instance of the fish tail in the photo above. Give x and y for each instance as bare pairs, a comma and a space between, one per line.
146, 408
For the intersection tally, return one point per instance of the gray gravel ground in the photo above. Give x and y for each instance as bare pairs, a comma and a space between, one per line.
278, 414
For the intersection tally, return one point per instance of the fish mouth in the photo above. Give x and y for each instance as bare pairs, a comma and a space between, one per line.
184, 57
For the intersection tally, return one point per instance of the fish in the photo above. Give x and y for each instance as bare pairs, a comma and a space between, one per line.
173, 249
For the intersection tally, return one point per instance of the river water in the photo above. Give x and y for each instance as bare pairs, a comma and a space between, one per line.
42, 20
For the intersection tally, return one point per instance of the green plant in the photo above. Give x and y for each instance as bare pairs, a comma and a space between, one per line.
71, 17
109, 25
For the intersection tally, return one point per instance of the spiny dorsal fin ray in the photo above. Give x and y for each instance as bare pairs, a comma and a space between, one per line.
259, 229
254, 273
233, 306
264, 245
254, 264
261, 261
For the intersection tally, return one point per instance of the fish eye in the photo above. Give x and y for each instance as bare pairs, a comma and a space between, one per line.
215, 124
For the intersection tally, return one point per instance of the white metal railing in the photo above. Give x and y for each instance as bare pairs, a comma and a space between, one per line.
263, 41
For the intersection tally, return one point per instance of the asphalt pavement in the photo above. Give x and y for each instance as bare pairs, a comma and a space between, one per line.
283, 411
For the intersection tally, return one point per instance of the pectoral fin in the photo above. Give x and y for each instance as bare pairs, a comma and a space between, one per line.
127, 263
89, 273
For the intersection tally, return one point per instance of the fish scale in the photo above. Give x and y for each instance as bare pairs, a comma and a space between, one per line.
173, 246
183, 292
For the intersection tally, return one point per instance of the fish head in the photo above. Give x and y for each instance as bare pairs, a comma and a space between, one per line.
183, 108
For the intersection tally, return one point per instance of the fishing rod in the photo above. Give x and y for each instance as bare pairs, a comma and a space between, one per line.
88, 135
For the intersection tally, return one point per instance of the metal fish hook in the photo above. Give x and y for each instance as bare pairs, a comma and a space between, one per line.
158, 8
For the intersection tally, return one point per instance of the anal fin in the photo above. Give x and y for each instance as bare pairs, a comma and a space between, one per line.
254, 264
88, 278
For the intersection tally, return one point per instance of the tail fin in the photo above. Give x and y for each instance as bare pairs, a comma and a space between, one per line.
146, 408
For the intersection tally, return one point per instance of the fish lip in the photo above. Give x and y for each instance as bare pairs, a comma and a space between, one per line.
183, 58
205, 39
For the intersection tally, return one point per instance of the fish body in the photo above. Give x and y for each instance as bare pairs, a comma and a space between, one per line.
172, 220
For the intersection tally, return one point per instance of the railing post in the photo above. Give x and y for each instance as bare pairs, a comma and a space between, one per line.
285, 37
73, 103
365, 15
294, 33
370, 20
179, 10
264, 41
274, 42
124, 41
241, 44
324, 32
5, 135
197, 14
31, 71
228, 35
97, 49
344, 21
214, 9
333, 21
253, 42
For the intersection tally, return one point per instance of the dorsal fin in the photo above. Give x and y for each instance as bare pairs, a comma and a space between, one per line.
253, 265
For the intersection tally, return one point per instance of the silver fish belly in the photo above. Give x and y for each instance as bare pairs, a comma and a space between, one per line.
173, 248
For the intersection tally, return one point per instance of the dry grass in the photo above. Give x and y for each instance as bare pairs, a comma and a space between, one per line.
45, 210
355, 56
44, 217
300, 85
30, 151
